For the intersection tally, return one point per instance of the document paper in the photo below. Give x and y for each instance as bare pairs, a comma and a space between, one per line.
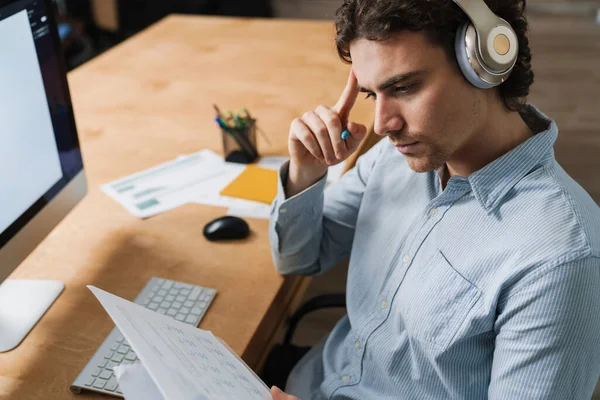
173, 184
185, 363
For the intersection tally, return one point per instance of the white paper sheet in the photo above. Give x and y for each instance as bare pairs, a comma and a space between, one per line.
184, 362
173, 183
253, 209
272, 162
136, 383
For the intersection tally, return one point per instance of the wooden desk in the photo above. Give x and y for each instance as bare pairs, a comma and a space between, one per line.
145, 102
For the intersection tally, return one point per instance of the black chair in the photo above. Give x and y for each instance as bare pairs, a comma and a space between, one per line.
284, 356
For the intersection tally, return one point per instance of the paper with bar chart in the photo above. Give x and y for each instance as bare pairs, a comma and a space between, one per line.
171, 184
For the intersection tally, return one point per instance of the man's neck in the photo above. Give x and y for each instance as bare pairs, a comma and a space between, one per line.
502, 131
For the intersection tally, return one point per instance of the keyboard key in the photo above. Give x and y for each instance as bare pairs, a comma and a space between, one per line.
167, 285
166, 304
162, 311
152, 294
162, 292
189, 304
153, 306
172, 312
96, 371
178, 285
174, 292
117, 358
195, 293
120, 338
181, 298
99, 384
176, 305
196, 311
191, 319
109, 354
184, 292
106, 374
111, 365
180, 317
131, 356
111, 385
170, 298
185, 310
90, 381
158, 299
123, 349
115, 346
159, 281
201, 304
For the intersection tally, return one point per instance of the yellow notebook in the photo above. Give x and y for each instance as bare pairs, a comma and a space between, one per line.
255, 183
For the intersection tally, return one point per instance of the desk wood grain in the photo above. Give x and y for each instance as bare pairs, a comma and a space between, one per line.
144, 102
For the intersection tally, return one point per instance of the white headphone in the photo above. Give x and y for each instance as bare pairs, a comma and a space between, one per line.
486, 48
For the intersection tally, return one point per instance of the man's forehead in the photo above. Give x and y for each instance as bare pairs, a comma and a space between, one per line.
376, 61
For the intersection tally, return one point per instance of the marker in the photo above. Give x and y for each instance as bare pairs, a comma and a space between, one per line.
345, 134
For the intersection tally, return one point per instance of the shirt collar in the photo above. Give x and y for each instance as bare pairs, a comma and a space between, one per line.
493, 182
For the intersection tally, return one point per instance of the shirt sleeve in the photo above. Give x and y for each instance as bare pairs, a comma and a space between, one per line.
312, 231
548, 336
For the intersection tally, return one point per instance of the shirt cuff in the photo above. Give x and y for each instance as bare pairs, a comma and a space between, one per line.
301, 202
294, 218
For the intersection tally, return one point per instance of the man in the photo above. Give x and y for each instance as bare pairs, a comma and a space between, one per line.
474, 258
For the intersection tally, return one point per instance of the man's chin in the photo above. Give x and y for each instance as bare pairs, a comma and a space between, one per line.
420, 164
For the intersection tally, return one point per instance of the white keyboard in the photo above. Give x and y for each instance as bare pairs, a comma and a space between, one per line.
184, 302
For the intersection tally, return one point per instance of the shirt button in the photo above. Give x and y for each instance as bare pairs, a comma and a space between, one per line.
384, 304
433, 212
406, 259
357, 345
346, 379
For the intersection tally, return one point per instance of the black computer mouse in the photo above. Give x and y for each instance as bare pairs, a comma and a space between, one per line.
226, 228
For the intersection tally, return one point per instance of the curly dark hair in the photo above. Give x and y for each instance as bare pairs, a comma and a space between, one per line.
439, 20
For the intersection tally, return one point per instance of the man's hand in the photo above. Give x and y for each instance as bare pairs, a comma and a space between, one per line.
277, 394
315, 140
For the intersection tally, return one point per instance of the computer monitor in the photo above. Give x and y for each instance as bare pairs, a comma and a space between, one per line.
41, 170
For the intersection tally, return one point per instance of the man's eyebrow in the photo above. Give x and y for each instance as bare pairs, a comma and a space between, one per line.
394, 80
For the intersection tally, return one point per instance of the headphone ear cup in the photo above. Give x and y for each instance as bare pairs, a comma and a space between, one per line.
460, 47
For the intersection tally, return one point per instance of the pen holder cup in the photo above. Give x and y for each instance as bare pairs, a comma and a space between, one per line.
239, 144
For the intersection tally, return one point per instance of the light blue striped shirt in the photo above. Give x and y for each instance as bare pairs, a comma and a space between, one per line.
489, 288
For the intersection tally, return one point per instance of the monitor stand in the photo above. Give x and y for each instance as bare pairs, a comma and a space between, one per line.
22, 304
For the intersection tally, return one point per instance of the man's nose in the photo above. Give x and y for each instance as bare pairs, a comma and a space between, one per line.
388, 117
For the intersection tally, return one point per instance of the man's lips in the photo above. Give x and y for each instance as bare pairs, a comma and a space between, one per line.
406, 147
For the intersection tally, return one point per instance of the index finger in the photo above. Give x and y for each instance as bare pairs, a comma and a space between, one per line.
348, 98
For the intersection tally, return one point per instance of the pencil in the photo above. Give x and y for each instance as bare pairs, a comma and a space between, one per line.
217, 110
260, 131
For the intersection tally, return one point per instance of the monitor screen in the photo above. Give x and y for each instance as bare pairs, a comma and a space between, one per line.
39, 149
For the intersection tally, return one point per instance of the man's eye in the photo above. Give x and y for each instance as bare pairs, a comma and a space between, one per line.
371, 95
402, 89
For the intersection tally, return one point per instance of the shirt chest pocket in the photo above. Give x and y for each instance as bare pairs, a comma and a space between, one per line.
434, 301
